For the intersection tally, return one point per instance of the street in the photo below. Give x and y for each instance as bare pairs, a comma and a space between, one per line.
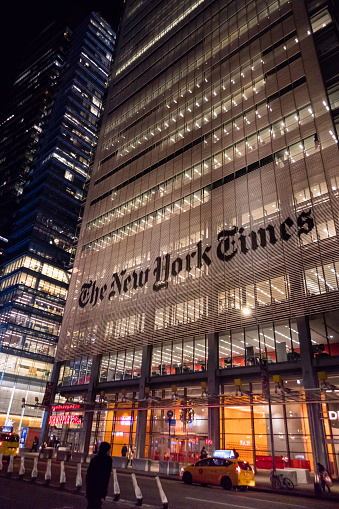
16, 494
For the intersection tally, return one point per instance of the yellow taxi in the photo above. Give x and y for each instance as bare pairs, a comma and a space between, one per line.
9, 444
225, 472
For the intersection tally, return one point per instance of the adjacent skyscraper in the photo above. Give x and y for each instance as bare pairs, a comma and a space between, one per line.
46, 146
208, 253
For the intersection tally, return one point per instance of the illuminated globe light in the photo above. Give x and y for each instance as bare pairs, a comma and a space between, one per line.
246, 311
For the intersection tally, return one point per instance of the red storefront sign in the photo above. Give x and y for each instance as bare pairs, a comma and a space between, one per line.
54, 420
65, 407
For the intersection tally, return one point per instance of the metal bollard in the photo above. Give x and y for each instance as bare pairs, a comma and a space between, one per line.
163, 497
1, 465
10, 466
48, 473
137, 490
22, 467
116, 487
62, 474
34, 473
78, 480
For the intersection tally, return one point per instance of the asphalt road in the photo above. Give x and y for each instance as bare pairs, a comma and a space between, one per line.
16, 494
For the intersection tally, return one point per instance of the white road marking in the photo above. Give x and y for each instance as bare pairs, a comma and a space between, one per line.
246, 506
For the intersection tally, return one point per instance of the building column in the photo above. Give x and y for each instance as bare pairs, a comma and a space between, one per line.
310, 379
90, 401
140, 438
45, 420
213, 387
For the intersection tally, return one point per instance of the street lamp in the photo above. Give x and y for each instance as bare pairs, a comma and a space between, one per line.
246, 311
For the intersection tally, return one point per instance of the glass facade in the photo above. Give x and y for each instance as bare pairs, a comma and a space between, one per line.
209, 239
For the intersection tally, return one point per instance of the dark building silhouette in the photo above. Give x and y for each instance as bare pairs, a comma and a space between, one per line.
46, 149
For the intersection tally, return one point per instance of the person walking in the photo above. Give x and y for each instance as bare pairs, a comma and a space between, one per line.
97, 477
325, 479
235, 454
203, 453
124, 451
35, 444
130, 455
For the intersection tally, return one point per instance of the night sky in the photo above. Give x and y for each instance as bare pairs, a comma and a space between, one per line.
22, 20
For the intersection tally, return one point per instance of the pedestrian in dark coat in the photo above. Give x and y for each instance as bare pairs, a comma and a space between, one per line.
97, 477
35, 444
124, 451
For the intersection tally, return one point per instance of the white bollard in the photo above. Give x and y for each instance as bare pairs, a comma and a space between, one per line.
116, 487
1, 465
10, 466
163, 497
48, 473
78, 480
34, 473
137, 490
22, 467
62, 474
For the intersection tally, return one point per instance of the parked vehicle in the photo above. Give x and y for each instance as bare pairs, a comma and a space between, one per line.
228, 473
9, 444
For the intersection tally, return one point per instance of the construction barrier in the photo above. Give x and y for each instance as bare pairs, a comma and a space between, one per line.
34, 473
48, 473
163, 497
78, 480
62, 474
137, 490
22, 467
116, 487
10, 466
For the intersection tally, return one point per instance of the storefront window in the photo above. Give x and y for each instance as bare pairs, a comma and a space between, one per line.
247, 429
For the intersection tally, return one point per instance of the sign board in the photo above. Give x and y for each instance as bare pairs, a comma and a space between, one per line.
7, 429
209, 441
65, 408
171, 422
169, 413
54, 420
333, 415
223, 454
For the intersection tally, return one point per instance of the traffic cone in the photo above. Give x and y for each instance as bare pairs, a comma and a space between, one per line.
22, 467
163, 497
137, 490
78, 480
10, 466
62, 474
116, 488
34, 473
48, 473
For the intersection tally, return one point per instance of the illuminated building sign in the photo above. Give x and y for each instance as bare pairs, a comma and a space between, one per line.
333, 415
126, 420
64, 407
223, 454
231, 243
55, 420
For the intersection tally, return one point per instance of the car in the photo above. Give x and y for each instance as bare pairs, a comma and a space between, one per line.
225, 472
9, 444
